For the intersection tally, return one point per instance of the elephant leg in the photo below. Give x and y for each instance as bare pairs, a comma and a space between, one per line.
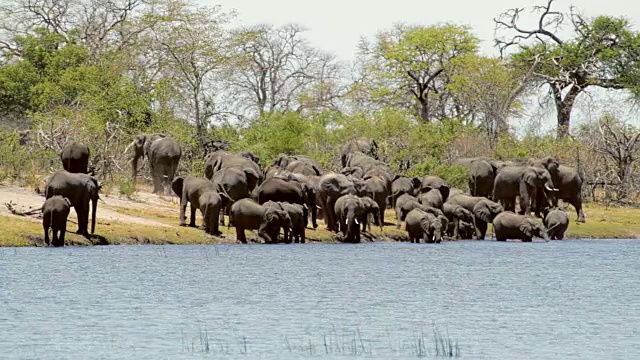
302, 235
240, 235
456, 225
481, 229
46, 234
577, 203
63, 230
192, 216
314, 215
398, 221
381, 217
157, 180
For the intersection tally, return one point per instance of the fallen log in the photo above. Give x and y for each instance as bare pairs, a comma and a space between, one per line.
12, 208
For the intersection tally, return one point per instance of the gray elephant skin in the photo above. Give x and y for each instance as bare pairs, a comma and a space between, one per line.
299, 218
404, 204
163, 154
568, 182
456, 215
377, 188
363, 161
75, 158
220, 160
80, 189
424, 225
55, 212
509, 225
365, 145
348, 210
246, 214
202, 194
532, 184
482, 209
331, 187
289, 190
556, 221
434, 182
402, 184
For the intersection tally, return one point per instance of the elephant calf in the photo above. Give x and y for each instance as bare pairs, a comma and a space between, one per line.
299, 217
55, 211
509, 225
456, 214
248, 214
202, 194
424, 225
556, 221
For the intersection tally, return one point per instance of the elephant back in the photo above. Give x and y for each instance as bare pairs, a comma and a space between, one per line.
165, 148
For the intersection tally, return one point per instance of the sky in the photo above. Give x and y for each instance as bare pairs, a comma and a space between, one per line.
336, 26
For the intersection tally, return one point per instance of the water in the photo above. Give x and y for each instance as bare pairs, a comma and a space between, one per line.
561, 300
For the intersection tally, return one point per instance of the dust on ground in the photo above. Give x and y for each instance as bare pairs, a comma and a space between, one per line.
25, 200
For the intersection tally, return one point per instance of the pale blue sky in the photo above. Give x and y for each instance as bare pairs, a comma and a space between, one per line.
337, 25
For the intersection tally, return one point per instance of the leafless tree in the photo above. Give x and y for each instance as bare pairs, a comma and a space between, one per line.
280, 71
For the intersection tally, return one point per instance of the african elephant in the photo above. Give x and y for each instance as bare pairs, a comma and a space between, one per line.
556, 221
431, 198
509, 225
348, 209
299, 215
363, 161
246, 214
481, 177
365, 145
203, 195
163, 154
456, 214
55, 212
234, 183
424, 225
482, 209
376, 187
372, 210
353, 171
404, 204
527, 182
435, 182
79, 189
332, 186
216, 161
290, 190
75, 158
402, 184
304, 168
251, 156
568, 182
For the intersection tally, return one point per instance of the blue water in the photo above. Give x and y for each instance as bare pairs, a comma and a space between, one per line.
555, 300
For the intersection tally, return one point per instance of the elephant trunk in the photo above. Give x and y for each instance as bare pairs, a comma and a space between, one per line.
94, 207
350, 225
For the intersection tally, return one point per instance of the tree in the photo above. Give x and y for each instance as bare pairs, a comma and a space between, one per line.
603, 51
492, 90
281, 71
618, 143
197, 49
101, 26
411, 66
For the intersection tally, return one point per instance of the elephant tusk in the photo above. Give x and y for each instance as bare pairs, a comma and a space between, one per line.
548, 188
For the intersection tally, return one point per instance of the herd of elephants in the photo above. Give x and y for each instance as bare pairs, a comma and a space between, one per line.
284, 194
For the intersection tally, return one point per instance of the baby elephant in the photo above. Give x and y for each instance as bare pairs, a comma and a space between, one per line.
556, 221
247, 214
508, 225
55, 211
299, 218
424, 225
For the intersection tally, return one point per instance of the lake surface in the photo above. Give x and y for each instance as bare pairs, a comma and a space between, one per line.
556, 300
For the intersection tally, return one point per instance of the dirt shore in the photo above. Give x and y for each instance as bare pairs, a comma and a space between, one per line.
146, 218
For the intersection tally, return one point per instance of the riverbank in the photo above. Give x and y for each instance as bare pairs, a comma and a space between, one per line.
146, 218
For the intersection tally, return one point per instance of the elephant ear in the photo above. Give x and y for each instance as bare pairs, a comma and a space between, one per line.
482, 212
177, 184
529, 176
527, 226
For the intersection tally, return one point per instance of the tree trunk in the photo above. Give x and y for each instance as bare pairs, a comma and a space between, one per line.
424, 110
199, 122
564, 107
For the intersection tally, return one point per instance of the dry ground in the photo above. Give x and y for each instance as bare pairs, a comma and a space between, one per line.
146, 218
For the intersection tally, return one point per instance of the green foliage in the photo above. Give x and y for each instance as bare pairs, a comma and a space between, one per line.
23, 164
